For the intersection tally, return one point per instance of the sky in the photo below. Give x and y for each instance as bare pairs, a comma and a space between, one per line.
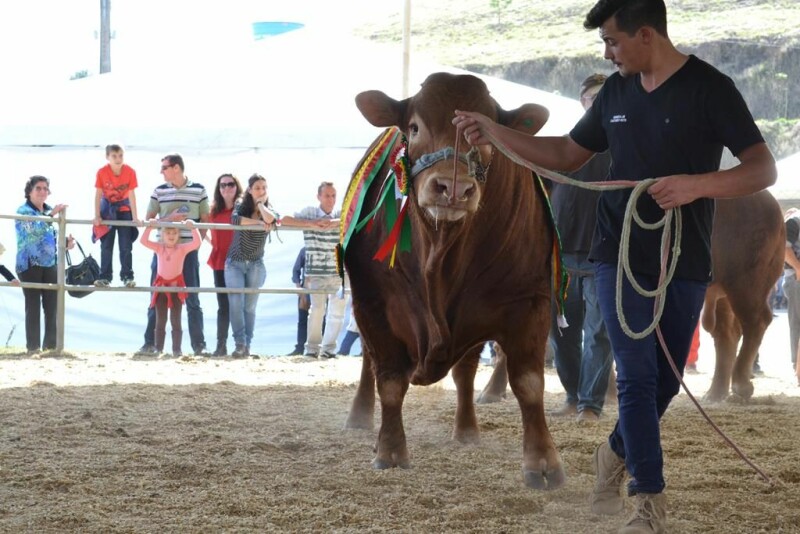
50, 40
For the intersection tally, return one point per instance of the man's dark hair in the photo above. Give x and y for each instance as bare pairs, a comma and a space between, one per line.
174, 159
630, 15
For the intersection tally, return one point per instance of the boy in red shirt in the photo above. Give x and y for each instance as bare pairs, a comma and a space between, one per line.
115, 199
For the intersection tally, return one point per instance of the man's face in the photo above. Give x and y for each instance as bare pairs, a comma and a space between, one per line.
327, 199
172, 173
624, 51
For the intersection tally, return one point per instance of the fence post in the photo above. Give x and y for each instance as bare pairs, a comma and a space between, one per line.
61, 267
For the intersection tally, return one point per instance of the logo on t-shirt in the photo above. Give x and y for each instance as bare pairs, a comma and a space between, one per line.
618, 118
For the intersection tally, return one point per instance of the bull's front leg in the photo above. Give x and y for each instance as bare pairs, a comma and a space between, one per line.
391, 450
466, 429
541, 463
363, 408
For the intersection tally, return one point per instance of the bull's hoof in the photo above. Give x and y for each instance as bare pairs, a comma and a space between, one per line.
358, 422
489, 398
545, 480
467, 437
744, 390
715, 396
377, 463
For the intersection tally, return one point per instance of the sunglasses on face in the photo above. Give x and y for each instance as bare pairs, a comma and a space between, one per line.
223, 185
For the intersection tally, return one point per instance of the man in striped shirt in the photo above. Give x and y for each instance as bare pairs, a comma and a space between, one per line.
176, 200
320, 226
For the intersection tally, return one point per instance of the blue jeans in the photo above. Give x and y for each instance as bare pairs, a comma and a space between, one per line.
191, 274
582, 350
645, 380
242, 306
126, 237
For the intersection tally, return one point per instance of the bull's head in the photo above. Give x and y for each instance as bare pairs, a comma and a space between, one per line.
426, 120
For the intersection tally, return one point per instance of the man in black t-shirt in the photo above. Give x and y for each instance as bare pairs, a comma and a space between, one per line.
663, 115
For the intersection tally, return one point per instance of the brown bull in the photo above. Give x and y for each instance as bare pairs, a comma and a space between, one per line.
747, 248
479, 269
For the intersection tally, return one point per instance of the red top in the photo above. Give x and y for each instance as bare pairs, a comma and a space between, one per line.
220, 240
116, 188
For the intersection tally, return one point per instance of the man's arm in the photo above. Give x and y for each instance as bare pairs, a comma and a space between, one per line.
555, 153
134, 209
98, 195
757, 171
288, 220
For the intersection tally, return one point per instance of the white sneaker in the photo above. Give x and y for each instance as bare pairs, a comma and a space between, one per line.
129, 283
101, 283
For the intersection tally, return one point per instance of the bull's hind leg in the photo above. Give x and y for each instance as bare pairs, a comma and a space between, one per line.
726, 338
541, 464
466, 423
754, 318
495, 389
391, 449
363, 408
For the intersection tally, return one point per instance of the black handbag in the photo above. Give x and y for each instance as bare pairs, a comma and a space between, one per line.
82, 274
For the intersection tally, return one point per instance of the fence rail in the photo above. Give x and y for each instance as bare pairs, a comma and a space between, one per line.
61, 287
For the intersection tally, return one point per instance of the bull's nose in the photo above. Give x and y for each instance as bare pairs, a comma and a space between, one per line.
464, 189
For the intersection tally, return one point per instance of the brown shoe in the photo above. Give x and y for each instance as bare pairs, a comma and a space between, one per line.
566, 410
650, 515
610, 471
587, 416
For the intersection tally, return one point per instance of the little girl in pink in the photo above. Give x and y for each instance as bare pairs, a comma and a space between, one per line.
170, 253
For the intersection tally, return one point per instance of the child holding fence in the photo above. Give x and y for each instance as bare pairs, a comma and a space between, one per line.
170, 253
115, 199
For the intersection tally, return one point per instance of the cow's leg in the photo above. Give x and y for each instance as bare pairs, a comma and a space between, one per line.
726, 339
363, 408
391, 450
466, 423
495, 389
754, 318
541, 464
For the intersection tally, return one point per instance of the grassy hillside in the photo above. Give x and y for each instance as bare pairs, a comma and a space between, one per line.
542, 43
472, 32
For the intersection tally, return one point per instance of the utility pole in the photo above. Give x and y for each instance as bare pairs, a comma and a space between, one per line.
406, 45
105, 36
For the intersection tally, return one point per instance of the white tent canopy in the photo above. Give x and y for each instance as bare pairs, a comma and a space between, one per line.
294, 90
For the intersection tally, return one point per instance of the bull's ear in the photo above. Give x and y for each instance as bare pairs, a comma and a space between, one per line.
379, 109
529, 118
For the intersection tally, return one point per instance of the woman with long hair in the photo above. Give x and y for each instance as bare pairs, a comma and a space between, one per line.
226, 192
244, 266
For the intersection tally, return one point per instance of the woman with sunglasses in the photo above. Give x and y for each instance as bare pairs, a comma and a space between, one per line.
227, 191
36, 262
